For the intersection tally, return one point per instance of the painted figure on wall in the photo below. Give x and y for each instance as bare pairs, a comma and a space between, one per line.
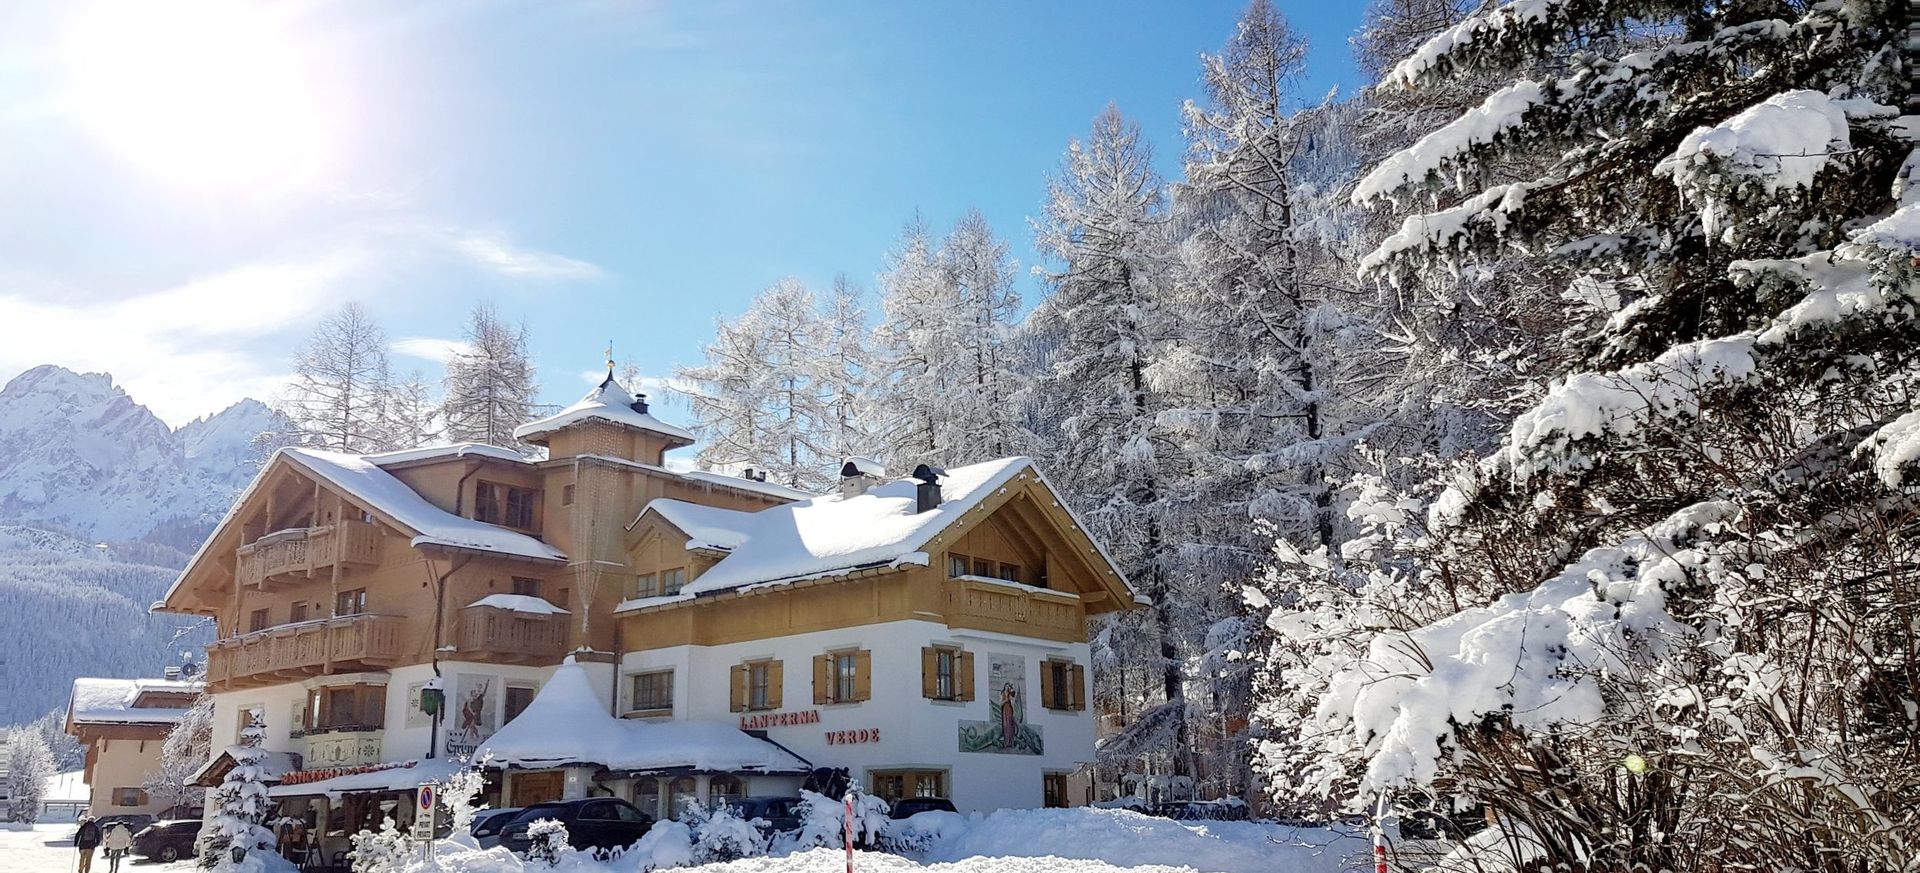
1006, 731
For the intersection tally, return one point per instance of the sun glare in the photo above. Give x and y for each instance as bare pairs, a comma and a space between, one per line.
214, 97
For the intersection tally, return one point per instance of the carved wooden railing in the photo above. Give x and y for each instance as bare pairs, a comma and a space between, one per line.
303, 649
299, 552
988, 604
487, 630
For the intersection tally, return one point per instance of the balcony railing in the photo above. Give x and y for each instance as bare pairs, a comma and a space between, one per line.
514, 636
289, 555
1009, 607
289, 651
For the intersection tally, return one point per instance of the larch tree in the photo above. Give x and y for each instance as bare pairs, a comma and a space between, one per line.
341, 385
490, 385
1105, 228
1669, 622
762, 400
188, 745
413, 415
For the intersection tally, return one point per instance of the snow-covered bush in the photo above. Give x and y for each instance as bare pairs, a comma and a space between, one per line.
823, 821
460, 794
387, 850
915, 834
241, 806
720, 834
547, 842
29, 765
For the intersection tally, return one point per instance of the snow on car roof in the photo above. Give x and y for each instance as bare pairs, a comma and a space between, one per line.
568, 724
607, 402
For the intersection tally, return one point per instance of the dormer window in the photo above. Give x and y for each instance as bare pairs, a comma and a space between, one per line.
504, 505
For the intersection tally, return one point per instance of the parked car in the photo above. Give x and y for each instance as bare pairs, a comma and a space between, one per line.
167, 841
907, 807
592, 823
779, 814
488, 823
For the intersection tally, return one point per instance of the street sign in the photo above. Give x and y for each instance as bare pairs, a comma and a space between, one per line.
423, 814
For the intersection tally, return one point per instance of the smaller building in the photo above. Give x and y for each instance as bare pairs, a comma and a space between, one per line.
123, 723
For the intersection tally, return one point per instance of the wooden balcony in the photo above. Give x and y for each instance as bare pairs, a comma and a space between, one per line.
513, 637
1012, 608
296, 555
297, 651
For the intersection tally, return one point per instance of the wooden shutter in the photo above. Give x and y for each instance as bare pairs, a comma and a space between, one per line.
862, 675
737, 694
776, 680
929, 672
1047, 691
963, 673
822, 679
1079, 674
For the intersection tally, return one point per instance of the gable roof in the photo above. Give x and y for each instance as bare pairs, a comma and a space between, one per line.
567, 724
111, 701
608, 402
450, 450
833, 532
362, 478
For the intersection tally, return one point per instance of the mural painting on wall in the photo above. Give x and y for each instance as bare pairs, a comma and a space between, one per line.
1006, 731
470, 712
417, 717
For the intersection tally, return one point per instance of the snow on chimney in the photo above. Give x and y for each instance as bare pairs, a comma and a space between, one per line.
859, 474
927, 494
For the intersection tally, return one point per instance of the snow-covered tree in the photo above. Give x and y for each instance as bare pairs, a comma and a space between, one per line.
843, 369
341, 385
1667, 624
490, 385
185, 750
413, 415
238, 820
29, 766
948, 390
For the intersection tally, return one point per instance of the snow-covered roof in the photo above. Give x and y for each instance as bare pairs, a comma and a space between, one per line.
111, 701
362, 478
567, 724
608, 402
518, 603
706, 527
833, 532
741, 482
410, 774
68, 787
453, 450
273, 765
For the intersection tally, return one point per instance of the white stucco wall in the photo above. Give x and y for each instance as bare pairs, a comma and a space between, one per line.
915, 733
123, 764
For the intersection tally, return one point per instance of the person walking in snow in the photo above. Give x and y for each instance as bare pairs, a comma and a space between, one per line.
86, 839
117, 842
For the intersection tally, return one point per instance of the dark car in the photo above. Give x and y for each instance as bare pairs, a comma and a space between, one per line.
592, 823
908, 807
488, 823
780, 814
167, 841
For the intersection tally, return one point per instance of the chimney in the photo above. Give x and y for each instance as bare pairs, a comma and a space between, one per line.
927, 494
171, 672
859, 474
639, 404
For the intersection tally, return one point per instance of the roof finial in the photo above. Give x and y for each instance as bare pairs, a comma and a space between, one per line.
609, 359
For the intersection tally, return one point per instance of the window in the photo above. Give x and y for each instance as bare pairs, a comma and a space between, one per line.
506, 505
896, 784
756, 685
1010, 572
566, 495
956, 565
341, 707
647, 794
672, 580
526, 587
298, 613
843, 677
345, 707
129, 797
350, 602
653, 692
680, 794
1053, 789
728, 790
946, 673
983, 567
518, 698
1062, 685
259, 620
646, 585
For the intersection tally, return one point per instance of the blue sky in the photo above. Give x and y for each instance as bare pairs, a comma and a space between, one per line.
187, 192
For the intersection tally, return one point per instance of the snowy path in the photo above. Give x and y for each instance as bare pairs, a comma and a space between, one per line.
48, 848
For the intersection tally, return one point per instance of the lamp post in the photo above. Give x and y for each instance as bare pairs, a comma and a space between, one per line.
433, 700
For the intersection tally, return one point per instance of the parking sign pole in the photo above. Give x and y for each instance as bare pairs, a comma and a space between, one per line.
849, 830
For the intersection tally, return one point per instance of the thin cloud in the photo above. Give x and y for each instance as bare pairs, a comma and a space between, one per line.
428, 348
500, 254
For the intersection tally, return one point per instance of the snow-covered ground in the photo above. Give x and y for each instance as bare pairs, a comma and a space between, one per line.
48, 848
1014, 841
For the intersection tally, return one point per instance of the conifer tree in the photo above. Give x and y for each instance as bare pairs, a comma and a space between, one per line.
241, 805
763, 398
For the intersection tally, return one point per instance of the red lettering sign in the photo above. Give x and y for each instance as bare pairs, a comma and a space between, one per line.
779, 719
850, 737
